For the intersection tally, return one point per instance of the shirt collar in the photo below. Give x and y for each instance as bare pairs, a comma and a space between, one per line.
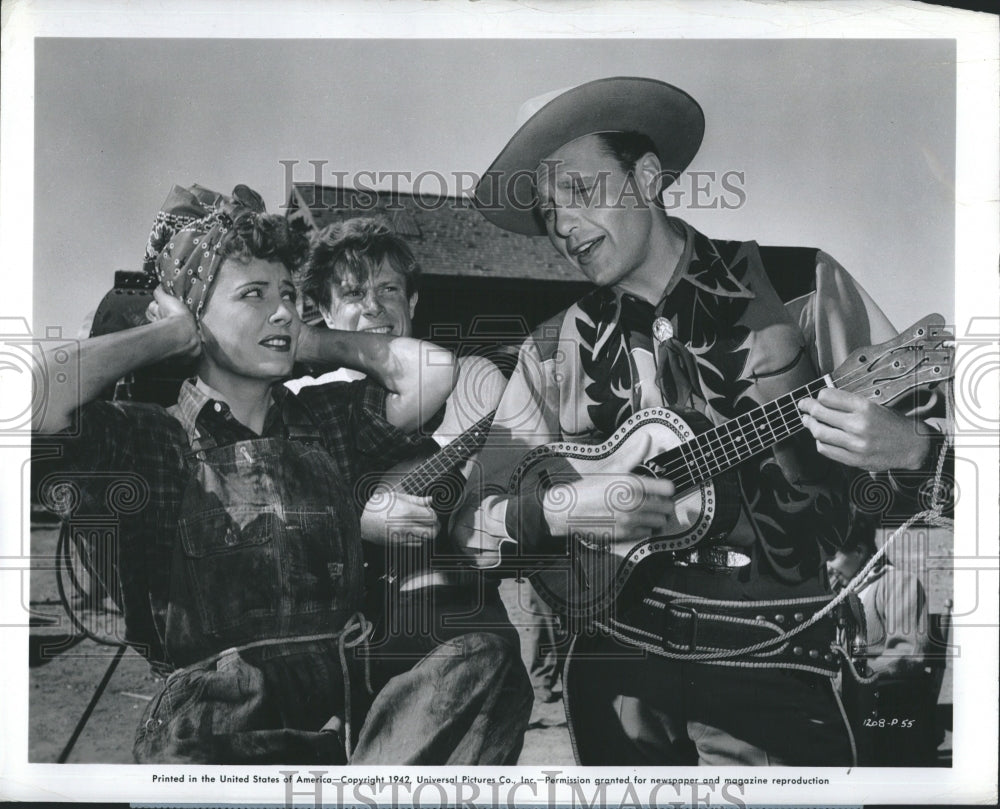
191, 400
197, 397
703, 267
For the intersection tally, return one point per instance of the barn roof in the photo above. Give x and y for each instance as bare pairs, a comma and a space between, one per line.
449, 236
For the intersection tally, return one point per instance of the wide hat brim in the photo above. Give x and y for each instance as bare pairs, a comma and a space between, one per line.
667, 115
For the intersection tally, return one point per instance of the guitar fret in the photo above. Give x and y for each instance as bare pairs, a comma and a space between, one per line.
734, 440
737, 439
764, 437
688, 478
709, 435
447, 458
756, 437
702, 457
770, 423
750, 439
691, 462
784, 423
706, 458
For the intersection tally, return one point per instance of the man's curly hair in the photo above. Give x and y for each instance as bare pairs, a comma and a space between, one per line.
354, 249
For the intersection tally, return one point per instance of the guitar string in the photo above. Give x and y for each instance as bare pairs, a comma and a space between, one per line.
698, 470
710, 443
763, 417
437, 466
714, 440
866, 377
442, 461
429, 470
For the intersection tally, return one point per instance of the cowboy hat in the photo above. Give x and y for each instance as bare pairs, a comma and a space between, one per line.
667, 115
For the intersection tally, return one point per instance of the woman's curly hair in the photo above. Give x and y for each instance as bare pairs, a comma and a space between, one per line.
264, 236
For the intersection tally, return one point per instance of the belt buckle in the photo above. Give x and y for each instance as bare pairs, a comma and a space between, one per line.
684, 610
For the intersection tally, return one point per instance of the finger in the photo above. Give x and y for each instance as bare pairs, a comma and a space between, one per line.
153, 312
832, 436
832, 418
659, 487
649, 523
419, 514
654, 505
634, 452
414, 499
424, 522
837, 399
419, 537
634, 493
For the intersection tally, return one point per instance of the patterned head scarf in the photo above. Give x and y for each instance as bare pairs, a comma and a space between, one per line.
183, 247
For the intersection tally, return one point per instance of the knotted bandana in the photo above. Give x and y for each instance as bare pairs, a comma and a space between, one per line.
183, 247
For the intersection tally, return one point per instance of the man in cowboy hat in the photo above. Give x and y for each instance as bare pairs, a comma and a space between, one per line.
683, 321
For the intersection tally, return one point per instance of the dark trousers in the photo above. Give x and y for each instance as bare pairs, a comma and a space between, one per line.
546, 643
627, 707
450, 687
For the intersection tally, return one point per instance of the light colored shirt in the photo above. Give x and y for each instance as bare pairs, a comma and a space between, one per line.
478, 389
895, 622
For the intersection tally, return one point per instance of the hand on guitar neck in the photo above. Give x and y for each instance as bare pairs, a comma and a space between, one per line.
855, 431
650, 500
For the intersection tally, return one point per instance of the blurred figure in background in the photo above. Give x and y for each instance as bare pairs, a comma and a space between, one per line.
898, 731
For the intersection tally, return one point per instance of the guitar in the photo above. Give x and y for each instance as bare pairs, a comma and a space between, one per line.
435, 476
699, 460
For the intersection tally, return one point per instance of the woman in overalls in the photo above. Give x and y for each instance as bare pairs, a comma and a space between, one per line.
239, 559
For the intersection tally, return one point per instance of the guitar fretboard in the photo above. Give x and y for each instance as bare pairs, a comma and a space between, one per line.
419, 479
721, 448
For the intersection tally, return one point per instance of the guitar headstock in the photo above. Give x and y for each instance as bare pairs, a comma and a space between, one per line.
921, 356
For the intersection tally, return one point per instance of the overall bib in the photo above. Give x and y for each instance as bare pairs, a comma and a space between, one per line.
265, 580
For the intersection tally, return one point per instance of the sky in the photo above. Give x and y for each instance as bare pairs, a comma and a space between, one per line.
847, 145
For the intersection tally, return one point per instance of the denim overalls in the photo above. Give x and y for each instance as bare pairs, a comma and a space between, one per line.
265, 580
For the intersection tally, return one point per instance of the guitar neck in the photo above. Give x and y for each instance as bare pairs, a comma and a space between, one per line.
419, 479
721, 448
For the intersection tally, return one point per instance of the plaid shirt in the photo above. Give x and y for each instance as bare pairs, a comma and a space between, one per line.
128, 468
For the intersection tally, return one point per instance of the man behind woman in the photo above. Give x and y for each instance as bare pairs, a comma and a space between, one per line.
241, 571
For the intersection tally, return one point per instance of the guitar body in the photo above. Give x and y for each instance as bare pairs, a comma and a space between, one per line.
700, 458
587, 582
